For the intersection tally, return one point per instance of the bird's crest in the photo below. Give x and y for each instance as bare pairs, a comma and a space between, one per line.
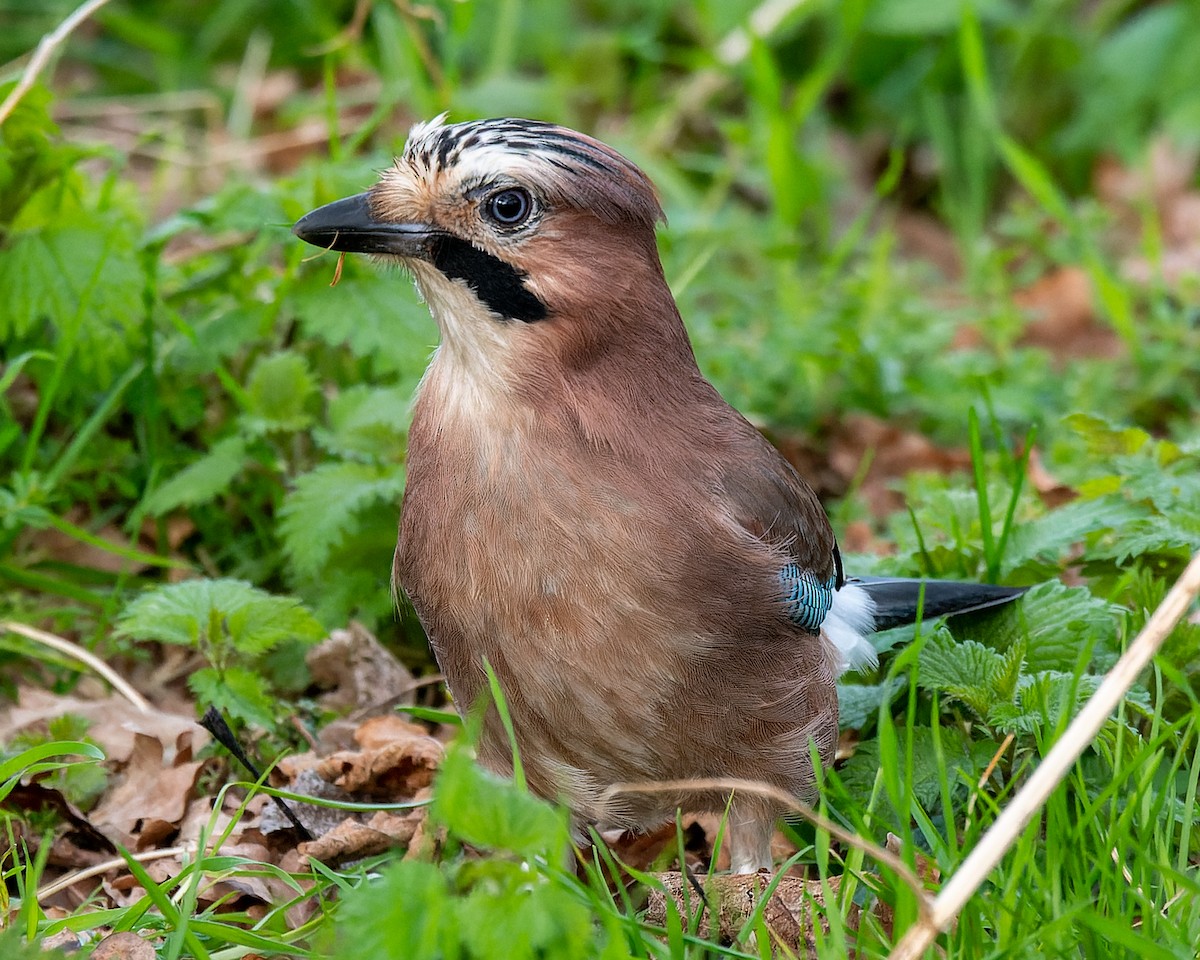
568, 167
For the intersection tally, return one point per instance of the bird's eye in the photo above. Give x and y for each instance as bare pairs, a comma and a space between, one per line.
509, 207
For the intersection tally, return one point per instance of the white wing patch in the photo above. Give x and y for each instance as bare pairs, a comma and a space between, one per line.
850, 620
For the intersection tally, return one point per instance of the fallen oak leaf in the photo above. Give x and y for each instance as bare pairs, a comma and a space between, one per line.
150, 790
351, 840
791, 915
125, 945
399, 766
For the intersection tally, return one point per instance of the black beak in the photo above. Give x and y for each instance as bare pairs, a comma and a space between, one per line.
349, 226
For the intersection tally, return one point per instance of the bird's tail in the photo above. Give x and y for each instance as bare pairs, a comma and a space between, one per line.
897, 599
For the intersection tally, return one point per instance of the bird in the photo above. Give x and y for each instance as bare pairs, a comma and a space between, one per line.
658, 593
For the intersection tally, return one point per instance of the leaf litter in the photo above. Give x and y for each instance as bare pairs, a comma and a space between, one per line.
161, 795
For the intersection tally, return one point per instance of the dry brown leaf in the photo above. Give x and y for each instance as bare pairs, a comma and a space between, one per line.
791, 915
398, 767
1052, 492
1064, 316
124, 890
894, 452
359, 674
150, 790
124, 946
65, 940
115, 723
428, 840
38, 797
317, 820
378, 732
351, 840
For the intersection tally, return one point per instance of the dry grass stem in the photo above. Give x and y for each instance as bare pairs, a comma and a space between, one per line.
76, 652
1000, 751
45, 49
96, 870
1029, 799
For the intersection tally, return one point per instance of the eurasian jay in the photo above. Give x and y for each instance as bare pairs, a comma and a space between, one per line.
660, 595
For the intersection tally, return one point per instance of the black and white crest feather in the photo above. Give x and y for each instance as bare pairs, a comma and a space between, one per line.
566, 167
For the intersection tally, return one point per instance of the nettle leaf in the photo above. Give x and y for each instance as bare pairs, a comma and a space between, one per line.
507, 915
237, 692
201, 481
1104, 438
968, 671
86, 279
277, 393
859, 703
1060, 622
1008, 677
377, 317
1167, 487
1041, 702
1053, 623
253, 620
366, 422
964, 761
354, 582
322, 508
494, 813
1175, 535
406, 913
1048, 538
1052, 697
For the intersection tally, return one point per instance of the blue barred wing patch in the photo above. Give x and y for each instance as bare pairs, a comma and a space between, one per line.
806, 599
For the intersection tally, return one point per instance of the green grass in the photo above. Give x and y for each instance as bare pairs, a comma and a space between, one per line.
172, 359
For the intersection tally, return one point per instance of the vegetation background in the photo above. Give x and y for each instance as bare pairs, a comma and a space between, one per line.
947, 255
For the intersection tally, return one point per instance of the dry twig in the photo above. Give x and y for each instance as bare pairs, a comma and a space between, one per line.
1029, 799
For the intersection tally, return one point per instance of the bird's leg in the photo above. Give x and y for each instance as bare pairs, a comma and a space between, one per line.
750, 840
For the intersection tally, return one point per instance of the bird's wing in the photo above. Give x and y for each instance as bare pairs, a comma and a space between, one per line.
770, 500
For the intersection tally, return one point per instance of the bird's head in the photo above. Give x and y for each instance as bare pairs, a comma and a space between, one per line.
508, 224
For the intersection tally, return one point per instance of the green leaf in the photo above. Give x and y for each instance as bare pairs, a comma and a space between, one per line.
493, 813
37, 759
1054, 623
278, 392
1052, 536
964, 759
251, 619
366, 422
1104, 438
859, 703
1175, 535
405, 915
509, 916
84, 277
374, 316
966, 671
1050, 698
236, 691
322, 508
201, 481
